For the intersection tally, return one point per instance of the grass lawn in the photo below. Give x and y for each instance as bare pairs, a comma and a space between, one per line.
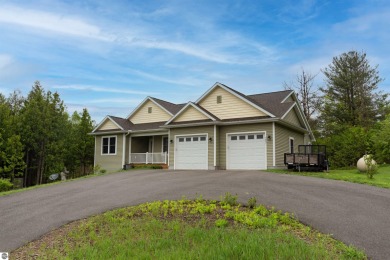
381, 179
187, 229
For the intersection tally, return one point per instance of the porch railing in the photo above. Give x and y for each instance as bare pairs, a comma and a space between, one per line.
148, 158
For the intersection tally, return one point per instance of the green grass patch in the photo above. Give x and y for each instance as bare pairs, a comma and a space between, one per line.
187, 229
381, 179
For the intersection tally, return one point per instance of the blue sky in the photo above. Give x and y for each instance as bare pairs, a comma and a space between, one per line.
109, 55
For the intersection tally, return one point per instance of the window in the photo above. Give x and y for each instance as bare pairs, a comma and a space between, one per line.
195, 139
242, 137
149, 110
188, 139
203, 138
219, 99
259, 136
291, 144
181, 140
109, 145
250, 137
233, 138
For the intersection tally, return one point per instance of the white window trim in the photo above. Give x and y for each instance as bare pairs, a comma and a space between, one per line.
116, 145
251, 132
184, 135
289, 144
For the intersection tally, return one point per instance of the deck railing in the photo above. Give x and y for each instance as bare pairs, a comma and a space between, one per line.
148, 158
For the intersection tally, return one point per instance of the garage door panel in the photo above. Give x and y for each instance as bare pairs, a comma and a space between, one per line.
246, 151
191, 152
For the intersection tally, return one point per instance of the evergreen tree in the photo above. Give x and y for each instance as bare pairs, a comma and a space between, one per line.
350, 97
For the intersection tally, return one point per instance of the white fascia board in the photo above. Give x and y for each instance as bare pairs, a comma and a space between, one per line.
292, 91
104, 120
112, 120
184, 108
143, 102
235, 94
303, 117
285, 114
100, 124
160, 106
109, 132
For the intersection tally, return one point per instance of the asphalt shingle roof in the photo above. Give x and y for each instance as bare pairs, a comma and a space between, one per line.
171, 107
271, 102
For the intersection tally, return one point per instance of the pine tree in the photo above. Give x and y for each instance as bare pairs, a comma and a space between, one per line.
350, 97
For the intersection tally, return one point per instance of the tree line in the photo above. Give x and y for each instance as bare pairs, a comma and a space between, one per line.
38, 137
347, 112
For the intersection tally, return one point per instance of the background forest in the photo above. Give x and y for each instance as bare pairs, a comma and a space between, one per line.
39, 138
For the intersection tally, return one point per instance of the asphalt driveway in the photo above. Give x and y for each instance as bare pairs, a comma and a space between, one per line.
355, 214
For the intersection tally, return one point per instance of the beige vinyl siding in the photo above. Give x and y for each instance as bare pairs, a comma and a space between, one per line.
209, 130
230, 107
109, 162
108, 125
283, 135
223, 130
190, 114
142, 116
292, 118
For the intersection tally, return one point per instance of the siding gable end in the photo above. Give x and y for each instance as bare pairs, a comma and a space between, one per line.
190, 114
293, 118
107, 124
149, 112
230, 106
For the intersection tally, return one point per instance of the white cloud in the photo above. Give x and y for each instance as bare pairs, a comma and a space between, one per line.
102, 89
5, 61
181, 81
50, 21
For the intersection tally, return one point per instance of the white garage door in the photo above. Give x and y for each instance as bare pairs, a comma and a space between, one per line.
191, 152
246, 151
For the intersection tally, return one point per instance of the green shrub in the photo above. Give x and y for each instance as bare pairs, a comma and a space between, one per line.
221, 223
252, 202
372, 167
229, 199
5, 185
103, 171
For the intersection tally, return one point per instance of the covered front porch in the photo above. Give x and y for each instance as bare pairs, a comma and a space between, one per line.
148, 149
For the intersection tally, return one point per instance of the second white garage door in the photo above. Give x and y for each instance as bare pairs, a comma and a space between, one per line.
191, 152
246, 151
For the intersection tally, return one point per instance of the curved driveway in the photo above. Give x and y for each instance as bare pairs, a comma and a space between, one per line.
354, 213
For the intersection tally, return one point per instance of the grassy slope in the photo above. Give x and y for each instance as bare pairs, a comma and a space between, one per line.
382, 179
187, 230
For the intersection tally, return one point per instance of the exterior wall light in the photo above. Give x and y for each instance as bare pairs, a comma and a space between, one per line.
171, 141
210, 139
269, 138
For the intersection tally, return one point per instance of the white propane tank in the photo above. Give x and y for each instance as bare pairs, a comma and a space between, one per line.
361, 164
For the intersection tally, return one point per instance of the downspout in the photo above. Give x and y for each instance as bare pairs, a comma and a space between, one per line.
273, 145
215, 147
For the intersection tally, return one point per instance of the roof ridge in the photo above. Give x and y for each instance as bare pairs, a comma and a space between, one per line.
273, 92
159, 99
